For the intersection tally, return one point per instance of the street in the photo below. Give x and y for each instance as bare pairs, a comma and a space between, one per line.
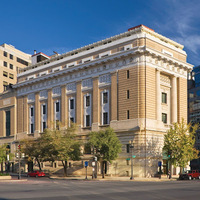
44, 188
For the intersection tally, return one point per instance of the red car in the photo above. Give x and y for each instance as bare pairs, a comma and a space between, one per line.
36, 174
190, 174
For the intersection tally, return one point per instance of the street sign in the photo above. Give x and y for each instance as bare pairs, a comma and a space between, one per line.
128, 159
159, 163
86, 163
134, 156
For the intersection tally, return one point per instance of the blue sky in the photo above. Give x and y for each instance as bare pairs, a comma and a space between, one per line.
64, 25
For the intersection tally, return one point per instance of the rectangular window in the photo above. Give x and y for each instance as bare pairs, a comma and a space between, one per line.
22, 61
5, 74
44, 109
32, 128
87, 120
105, 118
5, 85
11, 56
127, 94
44, 125
11, 66
164, 97
105, 97
57, 107
72, 119
5, 64
128, 116
11, 76
32, 114
71, 103
164, 118
87, 100
127, 148
7, 123
127, 74
5, 53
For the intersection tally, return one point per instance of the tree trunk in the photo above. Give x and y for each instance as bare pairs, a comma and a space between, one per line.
103, 169
2, 167
39, 165
64, 163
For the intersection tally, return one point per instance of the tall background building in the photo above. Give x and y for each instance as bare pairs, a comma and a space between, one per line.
11, 61
135, 82
194, 107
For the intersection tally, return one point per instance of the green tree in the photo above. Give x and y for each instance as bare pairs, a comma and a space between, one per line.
106, 145
179, 143
4, 151
33, 149
61, 145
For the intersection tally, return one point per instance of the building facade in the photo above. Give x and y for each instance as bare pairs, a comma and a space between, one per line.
11, 61
194, 108
135, 82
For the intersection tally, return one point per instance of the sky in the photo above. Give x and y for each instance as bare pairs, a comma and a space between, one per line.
64, 25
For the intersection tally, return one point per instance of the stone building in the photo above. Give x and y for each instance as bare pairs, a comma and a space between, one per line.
134, 82
11, 61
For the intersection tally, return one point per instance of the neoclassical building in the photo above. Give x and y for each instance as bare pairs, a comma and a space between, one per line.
134, 82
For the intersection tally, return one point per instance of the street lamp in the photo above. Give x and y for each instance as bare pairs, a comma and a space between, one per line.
131, 147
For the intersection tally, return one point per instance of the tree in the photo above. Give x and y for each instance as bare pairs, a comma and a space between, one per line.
4, 151
33, 149
62, 145
106, 145
179, 143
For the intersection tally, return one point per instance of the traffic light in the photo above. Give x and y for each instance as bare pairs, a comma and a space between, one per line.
19, 147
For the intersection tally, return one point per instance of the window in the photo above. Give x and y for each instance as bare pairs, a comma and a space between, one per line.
5, 74
164, 118
44, 109
7, 123
5, 84
127, 74
5, 64
5, 53
32, 128
87, 100
44, 126
32, 114
71, 103
128, 148
164, 97
57, 107
127, 94
72, 119
105, 97
105, 118
11, 76
11, 56
87, 120
128, 116
11, 66
22, 61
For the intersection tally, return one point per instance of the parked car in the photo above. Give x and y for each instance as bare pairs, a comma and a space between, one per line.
36, 174
190, 174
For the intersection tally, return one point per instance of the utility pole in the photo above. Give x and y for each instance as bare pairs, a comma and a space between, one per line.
19, 159
131, 147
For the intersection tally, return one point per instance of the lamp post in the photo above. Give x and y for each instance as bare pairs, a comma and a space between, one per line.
131, 147
19, 160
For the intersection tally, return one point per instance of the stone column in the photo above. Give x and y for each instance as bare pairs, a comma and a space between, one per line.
113, 96
37, 113
174, 99
63, 106
26, 115
158, 96
95, 105
50, 110
79, 103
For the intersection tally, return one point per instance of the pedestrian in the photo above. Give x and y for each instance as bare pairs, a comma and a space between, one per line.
169, 174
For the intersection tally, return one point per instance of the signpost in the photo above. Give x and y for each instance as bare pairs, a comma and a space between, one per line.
86, 165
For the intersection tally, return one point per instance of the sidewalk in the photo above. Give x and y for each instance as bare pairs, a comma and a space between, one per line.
114, 178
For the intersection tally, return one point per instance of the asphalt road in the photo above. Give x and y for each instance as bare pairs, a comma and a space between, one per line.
51, 189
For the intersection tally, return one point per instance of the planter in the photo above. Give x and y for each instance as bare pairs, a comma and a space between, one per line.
5, 177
